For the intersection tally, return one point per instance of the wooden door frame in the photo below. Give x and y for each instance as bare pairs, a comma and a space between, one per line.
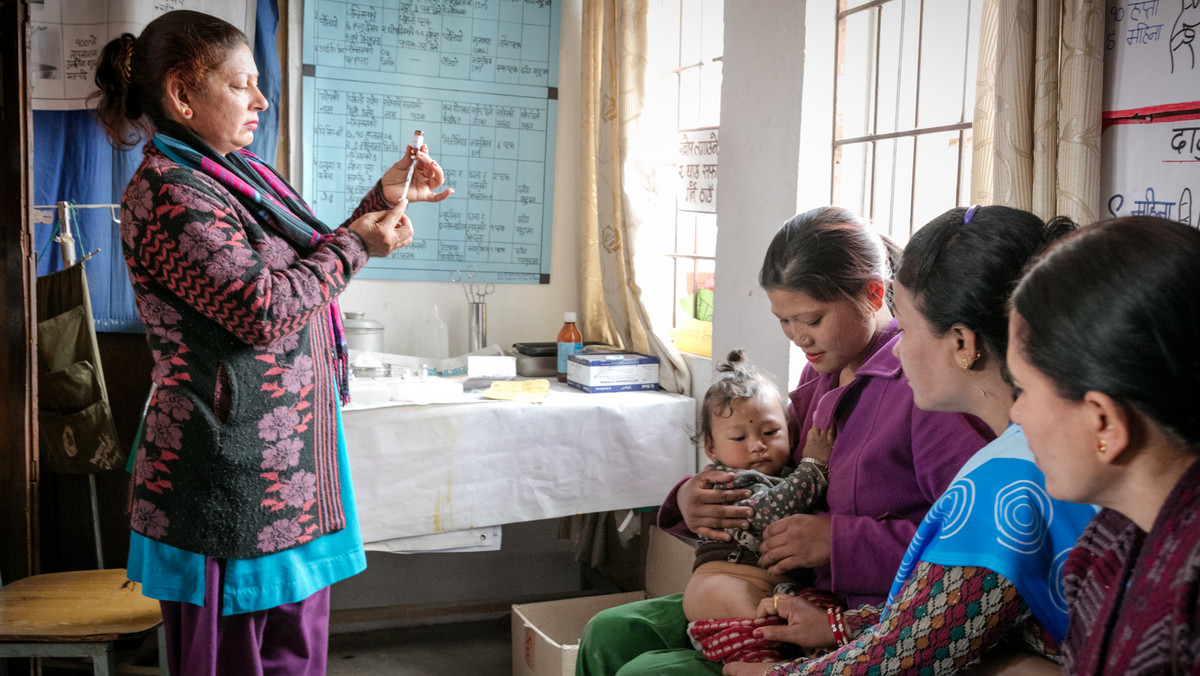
18, 272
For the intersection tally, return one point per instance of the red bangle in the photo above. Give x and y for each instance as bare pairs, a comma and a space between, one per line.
837, 625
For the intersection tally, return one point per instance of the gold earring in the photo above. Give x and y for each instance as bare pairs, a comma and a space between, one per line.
1102, 446
187, 112
967, 364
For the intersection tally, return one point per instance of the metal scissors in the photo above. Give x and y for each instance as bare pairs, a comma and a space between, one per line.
481, 291
465, 279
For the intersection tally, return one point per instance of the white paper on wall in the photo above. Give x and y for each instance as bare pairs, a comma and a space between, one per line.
1151, 56
67, 36
1152, 169
697, 162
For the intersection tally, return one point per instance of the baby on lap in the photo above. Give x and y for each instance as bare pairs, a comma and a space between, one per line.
744, 426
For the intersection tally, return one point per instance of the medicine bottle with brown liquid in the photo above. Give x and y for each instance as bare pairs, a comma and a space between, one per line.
570, 342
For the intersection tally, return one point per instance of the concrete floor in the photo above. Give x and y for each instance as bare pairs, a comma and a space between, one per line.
478, 647
448, 649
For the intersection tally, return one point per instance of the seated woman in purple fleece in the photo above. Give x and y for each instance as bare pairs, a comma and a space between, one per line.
826, 276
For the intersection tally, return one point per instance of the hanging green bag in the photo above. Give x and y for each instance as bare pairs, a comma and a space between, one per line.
75, 426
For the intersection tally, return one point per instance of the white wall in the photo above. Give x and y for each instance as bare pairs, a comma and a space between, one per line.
776, 126
759, 170
515, 312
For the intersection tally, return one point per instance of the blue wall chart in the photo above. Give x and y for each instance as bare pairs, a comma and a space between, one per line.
479, 79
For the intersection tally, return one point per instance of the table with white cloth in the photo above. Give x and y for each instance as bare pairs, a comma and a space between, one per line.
444, 468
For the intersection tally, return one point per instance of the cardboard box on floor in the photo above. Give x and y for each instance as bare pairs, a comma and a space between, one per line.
546, 635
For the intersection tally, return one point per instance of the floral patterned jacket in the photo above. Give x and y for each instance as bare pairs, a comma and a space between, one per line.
238, 457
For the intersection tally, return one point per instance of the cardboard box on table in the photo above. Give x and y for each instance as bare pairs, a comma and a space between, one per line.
546, 635
612, 371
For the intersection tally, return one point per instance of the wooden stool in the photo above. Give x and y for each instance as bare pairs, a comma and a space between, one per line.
76, 614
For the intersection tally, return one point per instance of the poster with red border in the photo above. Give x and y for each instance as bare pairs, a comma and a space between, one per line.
1152, 168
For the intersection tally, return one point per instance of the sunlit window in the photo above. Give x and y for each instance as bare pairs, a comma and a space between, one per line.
903, 103
686, 44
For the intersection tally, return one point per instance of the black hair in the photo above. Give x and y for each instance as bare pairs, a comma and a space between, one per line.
963, 273
829, 254
738, 380
132, 72
1113, 309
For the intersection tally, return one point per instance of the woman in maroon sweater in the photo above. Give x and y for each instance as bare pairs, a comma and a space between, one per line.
1103, 353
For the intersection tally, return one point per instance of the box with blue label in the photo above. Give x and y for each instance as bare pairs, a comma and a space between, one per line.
612, 371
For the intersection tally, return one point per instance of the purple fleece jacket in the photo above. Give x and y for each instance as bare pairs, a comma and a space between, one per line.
890, 461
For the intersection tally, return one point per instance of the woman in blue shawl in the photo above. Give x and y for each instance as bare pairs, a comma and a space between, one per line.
984, 568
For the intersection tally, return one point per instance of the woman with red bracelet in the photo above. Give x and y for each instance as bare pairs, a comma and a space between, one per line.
984, 568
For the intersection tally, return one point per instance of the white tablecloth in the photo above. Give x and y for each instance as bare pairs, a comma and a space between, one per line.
446, 467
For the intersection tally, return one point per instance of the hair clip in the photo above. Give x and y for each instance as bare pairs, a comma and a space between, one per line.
970, 213
125, 67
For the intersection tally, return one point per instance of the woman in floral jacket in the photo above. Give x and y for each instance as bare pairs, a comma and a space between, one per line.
242, 512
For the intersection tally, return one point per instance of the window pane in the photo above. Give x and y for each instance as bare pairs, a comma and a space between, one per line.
693, 273
898, 49
686, 47
944, 66
706, 234
710, 95
685, 232
937, 177
856, 75
713, 38
663, 24
964, 186
851, 173
691, 28
893, 187
705, 280
669, 95
689, 98
683, 268
972, 59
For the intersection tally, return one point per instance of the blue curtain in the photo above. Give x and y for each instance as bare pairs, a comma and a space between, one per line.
72, 161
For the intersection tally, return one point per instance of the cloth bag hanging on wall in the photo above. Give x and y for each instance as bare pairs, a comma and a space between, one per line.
75, 425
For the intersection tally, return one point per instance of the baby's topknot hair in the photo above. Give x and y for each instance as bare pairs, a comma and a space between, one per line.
737, 380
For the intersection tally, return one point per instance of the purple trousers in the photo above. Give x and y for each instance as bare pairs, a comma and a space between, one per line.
291, 639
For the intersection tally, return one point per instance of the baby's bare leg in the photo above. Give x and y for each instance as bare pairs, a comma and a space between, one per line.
719, 590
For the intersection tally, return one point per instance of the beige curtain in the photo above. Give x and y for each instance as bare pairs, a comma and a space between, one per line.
1038, 105
613, 52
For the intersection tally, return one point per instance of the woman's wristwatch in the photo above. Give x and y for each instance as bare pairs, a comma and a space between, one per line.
819, 464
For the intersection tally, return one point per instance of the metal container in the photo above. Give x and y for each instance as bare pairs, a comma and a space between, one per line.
362, 333
476, 326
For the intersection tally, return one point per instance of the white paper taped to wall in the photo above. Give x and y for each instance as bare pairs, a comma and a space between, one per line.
1152, 169
1151, 59
67, 36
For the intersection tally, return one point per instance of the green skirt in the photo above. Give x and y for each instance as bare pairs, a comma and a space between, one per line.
641, 638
